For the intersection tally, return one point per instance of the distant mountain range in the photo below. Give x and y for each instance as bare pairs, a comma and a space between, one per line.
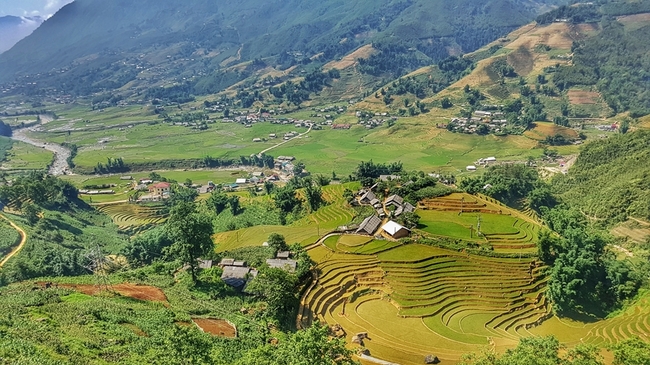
14, 28
97, 45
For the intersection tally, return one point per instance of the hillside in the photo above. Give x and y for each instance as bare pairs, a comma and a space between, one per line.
108, 44
609, 181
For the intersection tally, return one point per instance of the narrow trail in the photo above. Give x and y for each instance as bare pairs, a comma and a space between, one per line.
23, 239
283, 142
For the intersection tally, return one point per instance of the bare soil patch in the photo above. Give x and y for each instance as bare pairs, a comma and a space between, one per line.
522, 60
216, 327
580, 97
349, 60
636, 18
140, 292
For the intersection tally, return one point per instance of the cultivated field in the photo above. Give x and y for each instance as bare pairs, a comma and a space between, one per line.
133, 218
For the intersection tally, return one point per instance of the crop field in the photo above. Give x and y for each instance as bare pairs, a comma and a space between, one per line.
132, 218
108, 134
458, 215
543, 130
415, 300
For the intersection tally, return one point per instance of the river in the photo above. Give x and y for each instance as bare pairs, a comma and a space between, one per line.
60, 164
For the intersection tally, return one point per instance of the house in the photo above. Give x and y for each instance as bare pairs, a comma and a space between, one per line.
491, 159
369, 225
283, 255
406, 208
389, 177
146, 181
471, 168
368, 197
205, 264
287, 265
257, 140
394, 200
258, 174
235, 276
241, 181
126, 177
162, 188
273, 135
395, 230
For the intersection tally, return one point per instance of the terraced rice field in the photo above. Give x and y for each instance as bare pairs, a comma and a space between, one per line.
336, 213
133, 218
415, 300
458, 215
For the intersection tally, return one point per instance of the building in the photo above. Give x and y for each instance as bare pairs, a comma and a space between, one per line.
369, 225
471, 168
160, 189
241, 181
389, 177
394, 200
368, 197
235, 276
395, 230
284, 264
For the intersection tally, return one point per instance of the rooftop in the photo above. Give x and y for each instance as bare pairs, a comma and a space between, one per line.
393, 227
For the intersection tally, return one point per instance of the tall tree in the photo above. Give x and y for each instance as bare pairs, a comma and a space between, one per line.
191, 233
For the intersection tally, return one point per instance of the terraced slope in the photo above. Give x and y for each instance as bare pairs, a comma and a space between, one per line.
414, 299
457, 215
133, 218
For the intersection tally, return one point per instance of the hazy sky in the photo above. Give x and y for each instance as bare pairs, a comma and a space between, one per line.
31, 7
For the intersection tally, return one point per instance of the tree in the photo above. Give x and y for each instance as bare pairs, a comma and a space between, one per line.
625, 126
217, 201
410, 220
314, 195
632, 351
286, 200
268, 187
276, 288
31, 212
277, 242
298, 168
312, 346
235, 205
191, 233
446, 103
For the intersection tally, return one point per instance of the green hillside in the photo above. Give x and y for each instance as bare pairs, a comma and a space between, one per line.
610, 179
105, 45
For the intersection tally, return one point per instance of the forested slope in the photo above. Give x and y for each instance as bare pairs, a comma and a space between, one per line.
611, 179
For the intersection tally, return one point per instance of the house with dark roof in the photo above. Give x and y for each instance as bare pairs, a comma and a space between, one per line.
394, 200
235, 276
284, 264
369, 225
368, 197
406, 208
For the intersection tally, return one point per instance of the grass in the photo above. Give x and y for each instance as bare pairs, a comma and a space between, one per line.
9, 237
23, 156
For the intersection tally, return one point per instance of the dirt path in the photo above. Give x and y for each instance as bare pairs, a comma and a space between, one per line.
23, 239
283, 142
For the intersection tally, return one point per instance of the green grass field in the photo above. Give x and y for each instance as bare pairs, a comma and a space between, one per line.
98, 136
23, 156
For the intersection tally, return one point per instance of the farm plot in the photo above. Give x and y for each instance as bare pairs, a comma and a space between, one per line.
414, 299
216, 327
459, 215
133, 218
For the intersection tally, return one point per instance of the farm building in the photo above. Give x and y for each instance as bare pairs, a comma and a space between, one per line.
160, 188
226, 262
235, 276
389, 177
257, 140
406, 208
394, 200
241, 181
395, 230
471, 168
368, 197
287, 265
205, 264
369, 225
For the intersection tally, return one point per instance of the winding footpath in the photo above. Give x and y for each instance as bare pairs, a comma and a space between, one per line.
23, 239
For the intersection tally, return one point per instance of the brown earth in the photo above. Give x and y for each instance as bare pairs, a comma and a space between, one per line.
217, 327
140, 292
542, 130
351, 59
636, 18
580, 97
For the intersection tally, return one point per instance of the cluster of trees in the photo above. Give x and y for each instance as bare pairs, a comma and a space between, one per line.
367, 171
548, 351
583, 13
42, 190
391, 59
313, 82
5, 130
584, 276
113, 165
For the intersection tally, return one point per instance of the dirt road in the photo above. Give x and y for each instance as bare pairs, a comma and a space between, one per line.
23, 239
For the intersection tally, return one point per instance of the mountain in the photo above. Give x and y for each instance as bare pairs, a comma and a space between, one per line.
97, 45
13, 29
